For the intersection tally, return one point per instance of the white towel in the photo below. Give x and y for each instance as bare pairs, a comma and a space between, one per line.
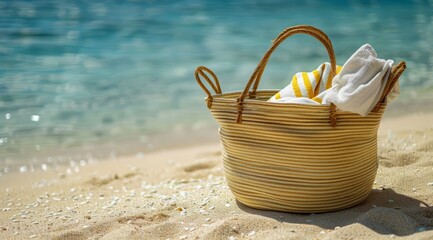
357, 86
360, 83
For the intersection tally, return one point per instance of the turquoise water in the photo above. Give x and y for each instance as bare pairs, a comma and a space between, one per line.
80, 79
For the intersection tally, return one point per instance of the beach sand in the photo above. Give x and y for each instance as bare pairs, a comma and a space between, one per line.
182, 194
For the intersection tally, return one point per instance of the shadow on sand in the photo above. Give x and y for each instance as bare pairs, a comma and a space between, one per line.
384, 211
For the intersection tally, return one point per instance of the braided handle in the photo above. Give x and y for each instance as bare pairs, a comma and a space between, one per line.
256, 76
393, 77
318, 34
200, 72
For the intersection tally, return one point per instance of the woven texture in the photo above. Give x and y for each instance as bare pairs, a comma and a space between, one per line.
292, 157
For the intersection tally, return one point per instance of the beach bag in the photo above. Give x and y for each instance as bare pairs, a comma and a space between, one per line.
294, 157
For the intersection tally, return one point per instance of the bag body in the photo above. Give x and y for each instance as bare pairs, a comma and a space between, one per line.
289, 158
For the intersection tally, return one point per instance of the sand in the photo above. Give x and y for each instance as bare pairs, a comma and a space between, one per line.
182, 194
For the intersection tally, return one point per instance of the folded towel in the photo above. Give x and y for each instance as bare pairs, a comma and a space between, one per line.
357, 86
360, 83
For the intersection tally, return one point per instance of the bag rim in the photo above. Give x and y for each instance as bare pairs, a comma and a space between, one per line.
227, 97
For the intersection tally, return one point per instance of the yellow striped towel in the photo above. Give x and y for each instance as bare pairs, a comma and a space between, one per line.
307, 87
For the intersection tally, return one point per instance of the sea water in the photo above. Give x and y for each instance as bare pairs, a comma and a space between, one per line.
80, 79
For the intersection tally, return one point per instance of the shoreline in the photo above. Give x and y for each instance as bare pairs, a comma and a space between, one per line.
388, 125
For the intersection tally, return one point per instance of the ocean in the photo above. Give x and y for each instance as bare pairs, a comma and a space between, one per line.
87, 80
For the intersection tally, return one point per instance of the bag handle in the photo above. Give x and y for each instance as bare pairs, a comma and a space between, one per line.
321, 35
256, 76
393, 77
200, 72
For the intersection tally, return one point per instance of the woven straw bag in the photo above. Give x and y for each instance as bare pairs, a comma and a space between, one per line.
293, 157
